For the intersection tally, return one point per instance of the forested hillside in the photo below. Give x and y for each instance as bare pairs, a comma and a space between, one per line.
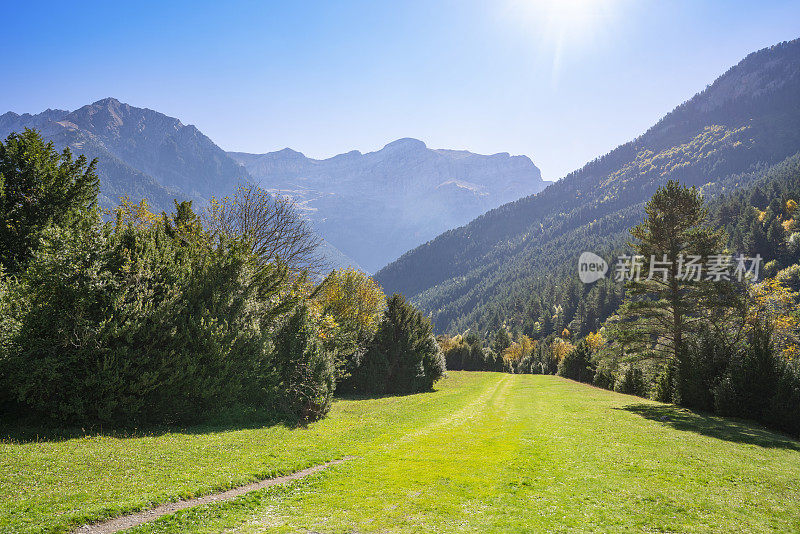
516, 264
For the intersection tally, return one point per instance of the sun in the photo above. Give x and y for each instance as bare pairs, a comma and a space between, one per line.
574, 21
561, 26
565, 14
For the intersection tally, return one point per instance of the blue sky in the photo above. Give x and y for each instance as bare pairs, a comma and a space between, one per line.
562, 81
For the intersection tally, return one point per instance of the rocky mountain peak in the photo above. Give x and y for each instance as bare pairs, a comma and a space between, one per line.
406, 144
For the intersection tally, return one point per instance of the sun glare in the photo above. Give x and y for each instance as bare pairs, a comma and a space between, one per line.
560, 26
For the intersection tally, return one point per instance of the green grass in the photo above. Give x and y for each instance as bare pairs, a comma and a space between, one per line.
485, 452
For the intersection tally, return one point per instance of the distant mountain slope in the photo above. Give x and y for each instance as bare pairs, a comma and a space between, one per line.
748, 118
375, 206
141, 153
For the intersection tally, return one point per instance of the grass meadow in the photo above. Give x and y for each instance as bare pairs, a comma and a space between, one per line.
484, 452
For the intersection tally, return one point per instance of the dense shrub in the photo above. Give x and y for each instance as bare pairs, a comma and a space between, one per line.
467, 353
603, 377
39, 188
700, 371
631, 381
404, 356
577, 363
784, 408
144, 323
664, 387
751, 378
303, 367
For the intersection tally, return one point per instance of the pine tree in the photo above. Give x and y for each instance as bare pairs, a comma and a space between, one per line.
663, 306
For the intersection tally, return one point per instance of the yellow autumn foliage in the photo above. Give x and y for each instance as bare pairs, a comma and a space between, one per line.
560, 348
595, 340
777, 303
519, 349
353, 299
134, 214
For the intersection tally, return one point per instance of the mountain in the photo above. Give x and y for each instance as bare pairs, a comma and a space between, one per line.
141, 153
500, 266
375, 206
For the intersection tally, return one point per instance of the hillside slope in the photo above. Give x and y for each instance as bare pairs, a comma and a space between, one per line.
746, 119
377, 205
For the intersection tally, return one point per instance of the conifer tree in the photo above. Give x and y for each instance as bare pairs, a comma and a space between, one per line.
39, 188
667, 302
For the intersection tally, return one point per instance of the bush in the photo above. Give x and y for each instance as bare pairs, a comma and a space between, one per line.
467, 353
40, 188
664, 389
144, 324
751, 378
457, 355
577, 364
705, 361
784, 409
604, 375
404, 356
631, 382
303, 368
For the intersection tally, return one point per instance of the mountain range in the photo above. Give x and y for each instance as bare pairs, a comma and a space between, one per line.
375, 206
141, 153
498, 266
369, 208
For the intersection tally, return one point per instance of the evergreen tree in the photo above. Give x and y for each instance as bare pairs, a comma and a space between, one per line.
501, 340
665, 304
39, 188
404, 356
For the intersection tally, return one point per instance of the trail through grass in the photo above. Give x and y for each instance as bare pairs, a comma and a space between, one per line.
485, 452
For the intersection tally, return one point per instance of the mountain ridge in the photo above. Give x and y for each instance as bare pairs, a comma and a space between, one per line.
397, 196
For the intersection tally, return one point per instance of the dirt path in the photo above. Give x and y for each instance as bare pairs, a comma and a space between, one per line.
138, 518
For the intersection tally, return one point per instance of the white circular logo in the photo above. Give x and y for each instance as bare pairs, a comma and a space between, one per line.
591, 267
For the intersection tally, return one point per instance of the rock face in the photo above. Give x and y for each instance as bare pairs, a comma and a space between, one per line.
141, 153
375, 206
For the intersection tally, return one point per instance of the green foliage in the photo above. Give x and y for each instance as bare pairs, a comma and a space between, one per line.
750, 380
161, 325
467, 353
404, 356
662, 308
631, 381
303, 367
39, 188
578, 363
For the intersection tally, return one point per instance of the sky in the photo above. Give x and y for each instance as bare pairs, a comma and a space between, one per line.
561, 81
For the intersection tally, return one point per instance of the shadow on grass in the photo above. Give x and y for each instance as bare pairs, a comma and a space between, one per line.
734, 430
34, 430
41, 431
352, 396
